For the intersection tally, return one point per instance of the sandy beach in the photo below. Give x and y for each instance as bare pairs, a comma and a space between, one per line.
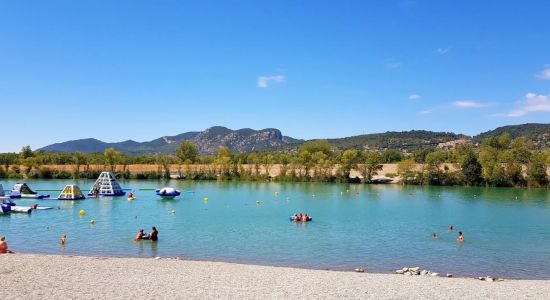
27, 276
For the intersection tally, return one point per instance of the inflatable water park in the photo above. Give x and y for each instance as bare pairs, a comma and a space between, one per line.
22, 190
168, 193
71, 192
106, 185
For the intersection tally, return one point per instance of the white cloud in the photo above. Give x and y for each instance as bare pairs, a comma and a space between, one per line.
544, 75
531, 103
265, 81
392, 64
415, 97
442, 51
466, 104
428, 111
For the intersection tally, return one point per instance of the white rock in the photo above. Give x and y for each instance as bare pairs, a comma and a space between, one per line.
434, 274
400, 271
359, 270
449, 275
423, 272
415, 269
405, 269
408, 273
158, 257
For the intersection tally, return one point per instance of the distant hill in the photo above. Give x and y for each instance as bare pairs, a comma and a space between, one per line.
392, 140
207, 141
249, 140
538, 133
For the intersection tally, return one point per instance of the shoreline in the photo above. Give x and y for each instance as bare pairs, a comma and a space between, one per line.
441, 273
38, 276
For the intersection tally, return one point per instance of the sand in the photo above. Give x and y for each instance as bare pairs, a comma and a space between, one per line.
25, 276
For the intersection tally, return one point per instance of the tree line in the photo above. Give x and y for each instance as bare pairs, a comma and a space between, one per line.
496, 161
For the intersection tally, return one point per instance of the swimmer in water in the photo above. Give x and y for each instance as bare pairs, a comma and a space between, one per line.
434, 236
460, 237
451, 228
63, 239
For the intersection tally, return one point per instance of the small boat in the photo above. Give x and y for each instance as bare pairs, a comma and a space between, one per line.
168, 193
22, 190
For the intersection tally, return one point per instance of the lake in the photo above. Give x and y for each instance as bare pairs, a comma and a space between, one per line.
378, 227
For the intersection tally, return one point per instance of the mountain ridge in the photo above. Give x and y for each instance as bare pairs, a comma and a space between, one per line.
246, 140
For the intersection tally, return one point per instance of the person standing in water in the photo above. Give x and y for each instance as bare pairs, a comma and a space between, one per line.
460, 237
153, 236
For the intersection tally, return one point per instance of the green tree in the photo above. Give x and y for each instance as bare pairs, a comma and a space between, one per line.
316, 146
224, 161
407, 170
536, 171
187, 152
78, 160
348, 161
26, 152
471, 170
111, 157
371, 164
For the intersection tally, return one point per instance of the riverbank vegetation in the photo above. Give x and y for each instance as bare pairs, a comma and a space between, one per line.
496, 161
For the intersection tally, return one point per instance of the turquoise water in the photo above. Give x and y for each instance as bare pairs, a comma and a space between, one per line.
378, 227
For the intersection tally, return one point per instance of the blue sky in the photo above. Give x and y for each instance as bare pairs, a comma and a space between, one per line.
118, 70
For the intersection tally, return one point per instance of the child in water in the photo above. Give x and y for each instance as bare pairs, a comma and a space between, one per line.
460, 237
63, 239
139, 236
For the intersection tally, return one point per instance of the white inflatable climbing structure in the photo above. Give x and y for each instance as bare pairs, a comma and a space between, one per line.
106, 185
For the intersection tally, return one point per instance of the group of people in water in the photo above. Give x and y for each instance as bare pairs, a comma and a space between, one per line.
301, 218
153, 236
459, 239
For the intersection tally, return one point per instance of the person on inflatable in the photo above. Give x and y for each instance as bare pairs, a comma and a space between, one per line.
296, 218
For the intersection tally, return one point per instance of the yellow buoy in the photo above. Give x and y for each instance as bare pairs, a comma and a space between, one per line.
276, 194
205, 199
82, 212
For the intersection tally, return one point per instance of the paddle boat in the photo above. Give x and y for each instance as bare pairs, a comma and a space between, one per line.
71, 192
22, 190
168, 193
